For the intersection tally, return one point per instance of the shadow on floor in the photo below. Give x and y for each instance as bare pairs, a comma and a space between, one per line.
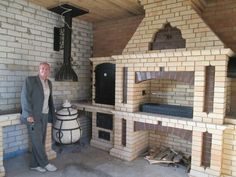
91, 162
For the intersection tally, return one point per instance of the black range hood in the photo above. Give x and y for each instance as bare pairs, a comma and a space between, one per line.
66, 72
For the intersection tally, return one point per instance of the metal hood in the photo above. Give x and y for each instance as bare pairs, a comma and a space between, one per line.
66, 72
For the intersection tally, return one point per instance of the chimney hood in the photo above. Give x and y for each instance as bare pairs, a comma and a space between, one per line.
66, 72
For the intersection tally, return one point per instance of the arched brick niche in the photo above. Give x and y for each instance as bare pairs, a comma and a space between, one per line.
168, 38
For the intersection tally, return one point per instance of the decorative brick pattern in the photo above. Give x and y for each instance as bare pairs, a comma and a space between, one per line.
179, 14
168, 38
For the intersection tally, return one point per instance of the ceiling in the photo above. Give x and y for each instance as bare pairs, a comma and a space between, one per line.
99, 10
105, 10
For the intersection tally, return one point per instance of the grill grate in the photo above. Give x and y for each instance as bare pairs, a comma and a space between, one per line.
172, 110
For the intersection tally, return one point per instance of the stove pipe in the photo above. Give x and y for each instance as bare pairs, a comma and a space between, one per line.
66, 72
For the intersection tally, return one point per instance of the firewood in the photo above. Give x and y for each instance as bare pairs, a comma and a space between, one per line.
159, 161
186, 160
162, 154
178, 158
153, 152
169, 156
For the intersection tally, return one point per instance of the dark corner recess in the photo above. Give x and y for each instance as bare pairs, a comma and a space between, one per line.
66, 73
232, 67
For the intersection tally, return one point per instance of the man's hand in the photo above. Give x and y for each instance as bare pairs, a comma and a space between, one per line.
30, 119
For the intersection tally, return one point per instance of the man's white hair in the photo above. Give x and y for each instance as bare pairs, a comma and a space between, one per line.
44, 63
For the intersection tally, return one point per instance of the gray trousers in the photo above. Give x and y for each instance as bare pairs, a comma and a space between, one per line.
37, 134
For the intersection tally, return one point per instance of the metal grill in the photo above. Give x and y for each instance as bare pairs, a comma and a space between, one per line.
172, 110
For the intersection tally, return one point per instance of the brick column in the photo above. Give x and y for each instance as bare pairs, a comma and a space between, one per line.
120, 151
135, 144
197, 170
2, 169
48, 145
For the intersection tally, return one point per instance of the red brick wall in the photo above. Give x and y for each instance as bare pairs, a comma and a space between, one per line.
111, 37
221, 17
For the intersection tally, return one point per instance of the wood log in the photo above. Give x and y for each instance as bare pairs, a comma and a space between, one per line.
169, 157
178, 158
162, 154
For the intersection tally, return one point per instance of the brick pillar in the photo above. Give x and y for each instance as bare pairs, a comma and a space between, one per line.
120, 151
48, 145
2, 169
135, 144
197, 170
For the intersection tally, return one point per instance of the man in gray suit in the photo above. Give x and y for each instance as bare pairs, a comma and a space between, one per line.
37, 110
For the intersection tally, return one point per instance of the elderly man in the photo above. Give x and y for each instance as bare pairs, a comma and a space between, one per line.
37, 110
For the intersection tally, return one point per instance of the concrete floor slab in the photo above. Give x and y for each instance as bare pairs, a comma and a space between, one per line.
92, 162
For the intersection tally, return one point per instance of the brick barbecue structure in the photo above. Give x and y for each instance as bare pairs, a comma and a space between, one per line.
173, 58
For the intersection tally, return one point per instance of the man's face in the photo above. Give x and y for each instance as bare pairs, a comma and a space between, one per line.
44, 71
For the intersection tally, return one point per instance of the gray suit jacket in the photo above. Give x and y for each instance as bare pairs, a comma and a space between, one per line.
32, 97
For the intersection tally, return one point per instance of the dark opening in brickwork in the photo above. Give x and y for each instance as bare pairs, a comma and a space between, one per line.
206, 149
104, 135
184, 134
125, 84
105, 121
123, 138
209, 88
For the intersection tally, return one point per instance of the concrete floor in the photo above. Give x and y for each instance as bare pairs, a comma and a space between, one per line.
91, 162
